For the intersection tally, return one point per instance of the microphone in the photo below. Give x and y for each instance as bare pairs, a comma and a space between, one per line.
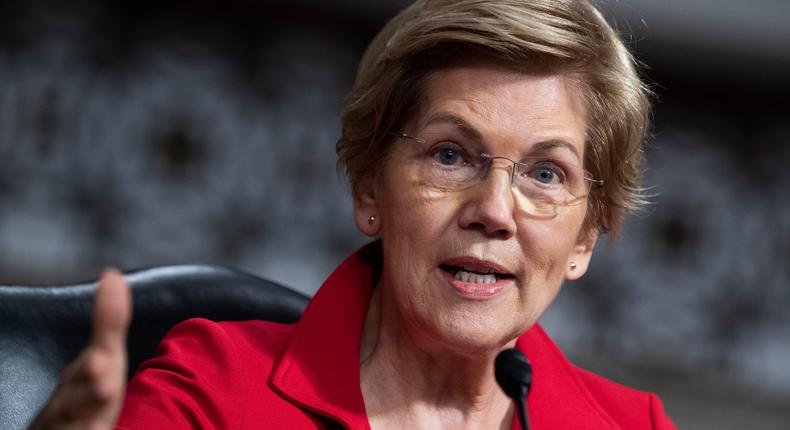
514, 375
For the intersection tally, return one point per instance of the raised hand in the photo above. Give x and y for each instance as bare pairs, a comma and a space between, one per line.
90, 391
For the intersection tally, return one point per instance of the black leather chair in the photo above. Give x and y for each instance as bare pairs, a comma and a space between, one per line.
43, 328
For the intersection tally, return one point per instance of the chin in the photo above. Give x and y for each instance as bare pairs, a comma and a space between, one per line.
474, 334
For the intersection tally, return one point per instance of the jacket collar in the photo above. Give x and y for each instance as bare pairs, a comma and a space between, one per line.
319, 370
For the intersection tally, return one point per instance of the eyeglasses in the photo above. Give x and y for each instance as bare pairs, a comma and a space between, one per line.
542, 184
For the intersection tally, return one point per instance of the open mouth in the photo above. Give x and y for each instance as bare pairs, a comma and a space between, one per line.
474, 276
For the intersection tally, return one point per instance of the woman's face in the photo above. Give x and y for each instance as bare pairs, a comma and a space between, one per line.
438, 243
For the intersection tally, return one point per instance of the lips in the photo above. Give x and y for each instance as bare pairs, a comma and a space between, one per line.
475, 279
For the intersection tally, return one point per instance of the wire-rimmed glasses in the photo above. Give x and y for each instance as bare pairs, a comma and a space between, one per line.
541, 184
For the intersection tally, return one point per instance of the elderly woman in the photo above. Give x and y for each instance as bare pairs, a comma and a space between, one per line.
488, 144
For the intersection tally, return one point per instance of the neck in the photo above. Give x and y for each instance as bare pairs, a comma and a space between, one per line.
410, 380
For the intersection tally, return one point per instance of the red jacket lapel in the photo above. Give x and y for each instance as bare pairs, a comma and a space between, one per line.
320, 367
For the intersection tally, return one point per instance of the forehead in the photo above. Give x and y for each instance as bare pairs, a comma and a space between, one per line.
508, 106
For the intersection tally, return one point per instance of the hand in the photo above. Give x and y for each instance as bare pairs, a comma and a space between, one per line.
89, 394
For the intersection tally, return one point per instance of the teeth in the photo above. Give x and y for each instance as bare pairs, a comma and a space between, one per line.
475, 278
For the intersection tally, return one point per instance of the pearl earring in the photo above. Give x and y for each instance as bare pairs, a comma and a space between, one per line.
573, 265
371, 219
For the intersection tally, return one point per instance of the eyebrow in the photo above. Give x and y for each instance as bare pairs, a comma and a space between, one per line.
464, 126
548, 145
472, 133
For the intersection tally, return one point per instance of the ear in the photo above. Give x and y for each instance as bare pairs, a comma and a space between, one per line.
366, 208
579, 258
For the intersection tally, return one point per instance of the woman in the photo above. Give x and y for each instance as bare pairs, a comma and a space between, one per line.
487, 144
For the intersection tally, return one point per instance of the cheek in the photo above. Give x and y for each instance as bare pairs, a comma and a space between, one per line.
416, 226
413, 216
406, 223
546, 247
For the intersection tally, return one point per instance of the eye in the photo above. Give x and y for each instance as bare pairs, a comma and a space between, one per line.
449, 156
546, 173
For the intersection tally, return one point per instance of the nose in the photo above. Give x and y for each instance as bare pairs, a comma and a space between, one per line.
489, 205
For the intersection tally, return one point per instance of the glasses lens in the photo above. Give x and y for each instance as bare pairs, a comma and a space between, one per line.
543, 185
448, 170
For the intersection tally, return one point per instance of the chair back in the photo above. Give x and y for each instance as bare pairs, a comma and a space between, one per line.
43, 328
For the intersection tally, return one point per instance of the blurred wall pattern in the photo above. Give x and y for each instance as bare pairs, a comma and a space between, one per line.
147, 133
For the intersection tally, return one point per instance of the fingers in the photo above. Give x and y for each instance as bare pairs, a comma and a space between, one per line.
112, 311
88, 395
91, 384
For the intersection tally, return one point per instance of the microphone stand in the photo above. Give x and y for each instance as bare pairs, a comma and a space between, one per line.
523, 417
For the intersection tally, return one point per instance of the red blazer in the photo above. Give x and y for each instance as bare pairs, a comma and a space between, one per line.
264, 375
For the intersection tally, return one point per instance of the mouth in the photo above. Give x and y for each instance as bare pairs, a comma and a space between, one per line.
476, 279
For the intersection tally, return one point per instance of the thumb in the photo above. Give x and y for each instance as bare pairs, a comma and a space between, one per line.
112, 311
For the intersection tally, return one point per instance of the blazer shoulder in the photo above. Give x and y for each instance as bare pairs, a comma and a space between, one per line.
258, 344
225, 349
267, 337
206, 374
253, 336
629, 407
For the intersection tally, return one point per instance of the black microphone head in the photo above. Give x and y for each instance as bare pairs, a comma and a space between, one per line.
513, 373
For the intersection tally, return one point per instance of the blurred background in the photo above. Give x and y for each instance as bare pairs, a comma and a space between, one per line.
139, 133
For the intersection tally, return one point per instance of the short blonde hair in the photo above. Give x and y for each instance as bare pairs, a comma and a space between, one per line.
547, 36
